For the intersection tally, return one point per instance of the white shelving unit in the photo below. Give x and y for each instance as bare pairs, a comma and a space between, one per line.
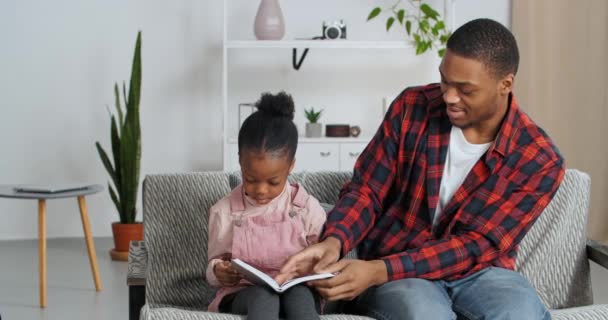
313, 154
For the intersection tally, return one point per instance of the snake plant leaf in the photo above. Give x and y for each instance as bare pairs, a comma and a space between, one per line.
115, 138
125, 133
135, 85
124, 94
105, 160
128, 176
116, 202
118, 108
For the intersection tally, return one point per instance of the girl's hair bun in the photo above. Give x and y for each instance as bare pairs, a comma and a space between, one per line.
279, 105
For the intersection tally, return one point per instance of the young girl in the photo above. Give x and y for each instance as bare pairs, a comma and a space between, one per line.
264, 220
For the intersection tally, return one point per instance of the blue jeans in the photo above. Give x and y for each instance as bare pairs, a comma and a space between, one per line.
492, 293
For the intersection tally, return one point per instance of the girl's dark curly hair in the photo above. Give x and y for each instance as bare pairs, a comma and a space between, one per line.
271, 128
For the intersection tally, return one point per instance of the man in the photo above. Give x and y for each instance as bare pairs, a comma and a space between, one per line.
442, 196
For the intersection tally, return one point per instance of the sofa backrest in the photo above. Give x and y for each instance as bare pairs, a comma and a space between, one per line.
552, 256
175, 210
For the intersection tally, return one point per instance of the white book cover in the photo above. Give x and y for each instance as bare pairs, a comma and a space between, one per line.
256, 276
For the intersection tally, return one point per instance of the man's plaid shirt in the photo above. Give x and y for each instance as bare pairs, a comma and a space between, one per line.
386, 209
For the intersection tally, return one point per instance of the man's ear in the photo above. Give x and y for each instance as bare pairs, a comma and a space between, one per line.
506, 84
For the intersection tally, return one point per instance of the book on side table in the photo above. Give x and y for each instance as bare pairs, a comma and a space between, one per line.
50, 189
256, 276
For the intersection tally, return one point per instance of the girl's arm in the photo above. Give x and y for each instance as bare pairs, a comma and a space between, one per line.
314, 220
220, 241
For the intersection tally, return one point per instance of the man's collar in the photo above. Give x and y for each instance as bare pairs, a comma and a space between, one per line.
507, 129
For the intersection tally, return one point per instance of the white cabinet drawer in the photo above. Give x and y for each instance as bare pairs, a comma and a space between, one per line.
349, 153
317, 157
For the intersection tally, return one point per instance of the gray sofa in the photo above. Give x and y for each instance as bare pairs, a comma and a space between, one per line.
169, 266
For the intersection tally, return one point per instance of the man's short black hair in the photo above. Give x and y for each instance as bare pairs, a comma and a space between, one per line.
489, 42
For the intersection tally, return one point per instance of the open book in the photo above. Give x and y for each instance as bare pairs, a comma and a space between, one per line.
256, 276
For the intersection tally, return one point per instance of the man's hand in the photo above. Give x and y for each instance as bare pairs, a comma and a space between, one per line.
310, 260
226, 274
354, 277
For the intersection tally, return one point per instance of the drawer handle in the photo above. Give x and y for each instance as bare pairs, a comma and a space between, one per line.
325, 154
354, 154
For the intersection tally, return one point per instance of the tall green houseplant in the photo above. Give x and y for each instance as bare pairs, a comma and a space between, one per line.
125, 134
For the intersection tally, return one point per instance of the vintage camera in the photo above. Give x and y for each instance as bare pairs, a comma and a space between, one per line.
334, 30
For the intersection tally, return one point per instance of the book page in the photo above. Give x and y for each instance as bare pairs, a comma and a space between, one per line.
290, 283
256, 276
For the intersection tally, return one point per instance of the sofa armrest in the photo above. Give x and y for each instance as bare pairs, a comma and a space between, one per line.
136, 277
138, 263
597, 252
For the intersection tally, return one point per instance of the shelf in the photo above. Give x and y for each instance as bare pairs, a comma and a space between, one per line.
321, 44
323, 140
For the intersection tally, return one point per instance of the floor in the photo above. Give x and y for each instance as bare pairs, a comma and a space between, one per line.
70, 288
71, 292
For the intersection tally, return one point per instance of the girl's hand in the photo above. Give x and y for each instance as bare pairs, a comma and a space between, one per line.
226, 274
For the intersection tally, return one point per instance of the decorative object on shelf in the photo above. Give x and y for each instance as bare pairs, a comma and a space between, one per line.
245, 110
313, 128
330, 31
125, 136
337, 130
355, 131
269, 23
334, 30
429, 30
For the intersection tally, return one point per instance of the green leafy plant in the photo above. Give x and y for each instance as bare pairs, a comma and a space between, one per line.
125, 134
422, 23
312, 115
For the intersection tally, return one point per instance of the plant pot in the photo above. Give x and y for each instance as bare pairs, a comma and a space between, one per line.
269, 24
124, 233
314, 130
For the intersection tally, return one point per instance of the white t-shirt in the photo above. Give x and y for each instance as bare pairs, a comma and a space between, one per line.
459, 161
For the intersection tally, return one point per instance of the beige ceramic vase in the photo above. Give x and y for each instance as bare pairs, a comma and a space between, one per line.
269, 24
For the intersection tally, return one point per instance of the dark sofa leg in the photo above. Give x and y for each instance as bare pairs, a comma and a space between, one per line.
137, 299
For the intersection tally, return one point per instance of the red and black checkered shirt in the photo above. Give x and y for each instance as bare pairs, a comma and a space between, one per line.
386, 209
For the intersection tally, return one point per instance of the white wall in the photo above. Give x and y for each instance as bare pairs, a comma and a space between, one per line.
59, 61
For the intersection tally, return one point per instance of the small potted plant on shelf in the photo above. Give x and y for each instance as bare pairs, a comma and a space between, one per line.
313, 128
125, 137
